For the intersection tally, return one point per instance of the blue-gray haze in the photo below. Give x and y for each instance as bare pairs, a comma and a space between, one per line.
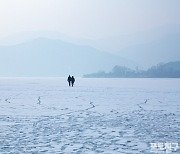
56, 38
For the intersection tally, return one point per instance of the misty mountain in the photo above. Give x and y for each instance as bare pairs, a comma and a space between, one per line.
46, 57
117, 43
164, 50
167, 70
161, 44
22, 37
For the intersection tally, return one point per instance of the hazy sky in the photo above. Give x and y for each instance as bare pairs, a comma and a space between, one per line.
87, 18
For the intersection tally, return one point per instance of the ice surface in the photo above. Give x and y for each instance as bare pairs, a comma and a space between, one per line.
44, 115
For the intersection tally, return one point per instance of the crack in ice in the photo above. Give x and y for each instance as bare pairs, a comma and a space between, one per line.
39, 100
7, 100
93, 106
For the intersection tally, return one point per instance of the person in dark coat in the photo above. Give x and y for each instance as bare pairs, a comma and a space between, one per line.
69, 80
72, 80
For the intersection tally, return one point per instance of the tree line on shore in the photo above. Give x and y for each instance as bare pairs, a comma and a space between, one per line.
167, 70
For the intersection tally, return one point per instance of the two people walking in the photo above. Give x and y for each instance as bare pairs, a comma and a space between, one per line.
71, 80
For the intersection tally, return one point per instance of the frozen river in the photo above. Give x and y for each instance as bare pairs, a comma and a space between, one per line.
45, 115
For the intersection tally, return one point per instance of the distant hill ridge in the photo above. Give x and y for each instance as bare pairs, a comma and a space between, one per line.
167, 70
52, 58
